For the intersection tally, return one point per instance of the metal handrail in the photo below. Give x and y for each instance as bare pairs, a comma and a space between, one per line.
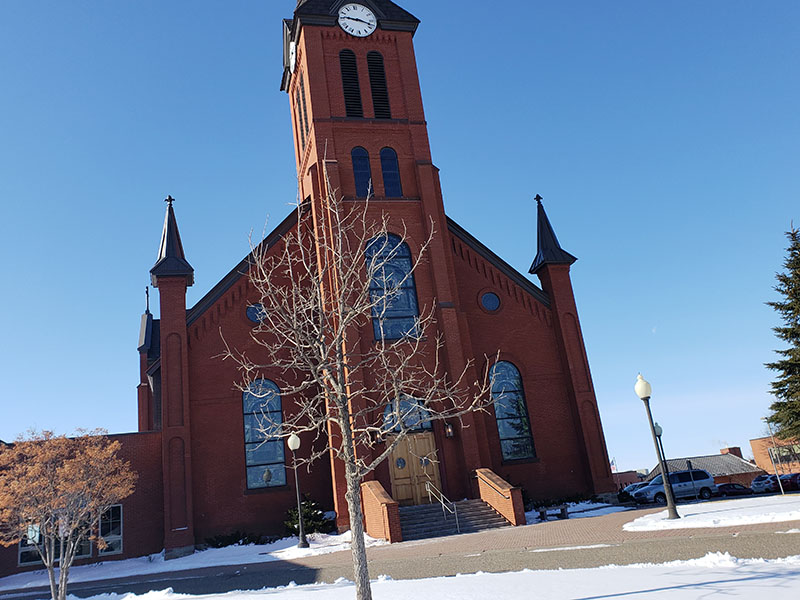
433, 492
491, 485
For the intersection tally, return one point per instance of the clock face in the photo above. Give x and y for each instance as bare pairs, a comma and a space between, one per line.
357, 20
292, 56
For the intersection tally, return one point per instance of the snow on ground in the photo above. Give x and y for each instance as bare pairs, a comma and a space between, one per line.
580, 510
723, 513
715, 575
285, 549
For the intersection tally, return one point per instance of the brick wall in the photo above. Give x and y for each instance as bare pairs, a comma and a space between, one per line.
501, 496
761, 446
381, 513
142, 512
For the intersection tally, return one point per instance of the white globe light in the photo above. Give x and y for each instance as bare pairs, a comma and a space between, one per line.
642, 387
293, 442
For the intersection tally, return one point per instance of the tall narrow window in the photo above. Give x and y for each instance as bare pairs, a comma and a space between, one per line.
306, 121
377, 82
391, 174
395, 311
511, 412
263, 416
361, 171
111, 530
300, 127
352, 90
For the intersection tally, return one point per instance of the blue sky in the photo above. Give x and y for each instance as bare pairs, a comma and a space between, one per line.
664, 137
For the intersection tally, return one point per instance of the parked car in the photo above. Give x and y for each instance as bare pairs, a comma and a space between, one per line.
790, 482
685, 484
765, 483
626, 493
734, 489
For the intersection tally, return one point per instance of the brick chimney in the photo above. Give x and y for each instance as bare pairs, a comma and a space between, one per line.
736, 451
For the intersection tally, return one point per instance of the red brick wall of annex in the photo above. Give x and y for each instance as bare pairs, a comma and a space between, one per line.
142, 512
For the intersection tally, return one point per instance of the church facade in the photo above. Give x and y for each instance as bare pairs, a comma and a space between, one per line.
359, 127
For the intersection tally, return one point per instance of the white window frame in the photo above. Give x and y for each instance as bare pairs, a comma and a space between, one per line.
23, 546
112, 538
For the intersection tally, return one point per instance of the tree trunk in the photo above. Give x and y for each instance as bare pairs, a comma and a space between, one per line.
52, 577
357, 544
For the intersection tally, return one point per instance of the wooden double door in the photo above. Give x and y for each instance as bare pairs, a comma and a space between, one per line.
413, 463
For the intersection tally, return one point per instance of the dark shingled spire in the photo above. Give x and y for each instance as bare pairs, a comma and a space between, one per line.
549, 251
171, 261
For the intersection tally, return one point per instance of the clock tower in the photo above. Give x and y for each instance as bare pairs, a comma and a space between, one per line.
360, 131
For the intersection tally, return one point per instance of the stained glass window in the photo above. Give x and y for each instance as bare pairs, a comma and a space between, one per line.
511, 412
409, 412
391, 174
263, 416
395, 312
361, 171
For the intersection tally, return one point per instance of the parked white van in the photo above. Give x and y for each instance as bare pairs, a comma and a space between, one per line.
685, 484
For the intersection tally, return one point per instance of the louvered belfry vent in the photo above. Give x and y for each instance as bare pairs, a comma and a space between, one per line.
352, 91
377, 81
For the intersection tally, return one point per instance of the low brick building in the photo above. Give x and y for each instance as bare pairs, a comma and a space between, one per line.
726, 467
771, 453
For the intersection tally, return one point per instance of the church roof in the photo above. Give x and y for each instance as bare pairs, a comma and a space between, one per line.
716, 464
390, 15
549, 251
171, 261
501, 265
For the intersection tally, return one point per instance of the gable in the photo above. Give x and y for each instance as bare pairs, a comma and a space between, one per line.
510, 279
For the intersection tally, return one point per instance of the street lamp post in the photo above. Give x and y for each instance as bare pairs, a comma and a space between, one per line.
659, 432
294, 444
643, 390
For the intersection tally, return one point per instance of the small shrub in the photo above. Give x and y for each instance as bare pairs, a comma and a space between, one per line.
314, 520
236, 538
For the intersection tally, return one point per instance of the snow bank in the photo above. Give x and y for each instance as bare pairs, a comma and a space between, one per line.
723, 513
715, 575
285, 549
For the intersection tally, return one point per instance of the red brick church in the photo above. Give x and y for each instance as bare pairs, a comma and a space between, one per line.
204, 469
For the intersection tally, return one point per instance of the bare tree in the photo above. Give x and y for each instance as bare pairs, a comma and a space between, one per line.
53, 491
341, 270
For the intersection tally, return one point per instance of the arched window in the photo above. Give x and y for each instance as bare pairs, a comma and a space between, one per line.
377, 83
263, 451
405, 413
350, 86
392, 289
391, 174
511, 412
361, 171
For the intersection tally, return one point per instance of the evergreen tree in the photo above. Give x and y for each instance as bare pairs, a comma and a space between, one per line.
786, 387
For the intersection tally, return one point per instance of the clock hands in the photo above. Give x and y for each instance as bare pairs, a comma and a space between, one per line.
357, 19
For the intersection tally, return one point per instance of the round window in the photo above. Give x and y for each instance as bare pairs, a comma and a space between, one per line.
490, 301
256, 313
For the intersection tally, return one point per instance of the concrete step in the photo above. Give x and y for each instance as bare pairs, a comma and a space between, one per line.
426, 521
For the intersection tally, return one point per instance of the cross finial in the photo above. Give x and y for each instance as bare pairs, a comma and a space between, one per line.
169, 200
538, 199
